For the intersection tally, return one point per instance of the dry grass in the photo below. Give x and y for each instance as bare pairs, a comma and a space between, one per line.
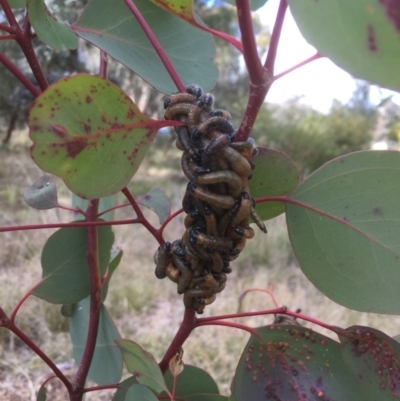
145, 309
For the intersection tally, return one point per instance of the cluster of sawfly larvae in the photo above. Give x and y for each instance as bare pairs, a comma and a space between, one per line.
217, 201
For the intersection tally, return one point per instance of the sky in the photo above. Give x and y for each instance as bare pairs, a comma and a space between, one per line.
318, 82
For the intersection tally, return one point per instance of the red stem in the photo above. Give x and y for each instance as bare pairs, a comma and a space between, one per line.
7, 37
243, 295
250, 53
68, 225
276, 34
103, 64
105, 387
233, 325
6, 28
230, 39
259, 90
316, 56
113, 208
19, 75
171, 217
140, 216
157, 46
95, 303
211, 319
24, 39
22, 300
6, 322
9, 15
188, 324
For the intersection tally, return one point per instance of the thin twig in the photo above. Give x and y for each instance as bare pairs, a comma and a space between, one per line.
95, 301
157, 46
250, 53
70, 225
19, 75
316, 56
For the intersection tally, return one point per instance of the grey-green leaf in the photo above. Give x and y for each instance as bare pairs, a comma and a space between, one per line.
157, 201
42, 194
54, 33
106, 366
65, 268
344, 228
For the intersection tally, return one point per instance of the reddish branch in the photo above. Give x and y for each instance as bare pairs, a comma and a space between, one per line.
24, 39
19, 75
103, 64
7, 323
140, 216
69, 225
188, 324
250, 54
276, 34
95, 303
157, 46
260, 88
316, 56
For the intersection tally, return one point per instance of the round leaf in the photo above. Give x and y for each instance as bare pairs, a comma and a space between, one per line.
106, 366
42, 194
292, 363
344, 228
87, 131
275, 174
373, 359
110, 25
361, 36
65, 267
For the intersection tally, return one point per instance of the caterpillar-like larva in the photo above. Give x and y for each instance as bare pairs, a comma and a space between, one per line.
217, 200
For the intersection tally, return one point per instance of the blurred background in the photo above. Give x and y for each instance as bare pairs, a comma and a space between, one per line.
305, 116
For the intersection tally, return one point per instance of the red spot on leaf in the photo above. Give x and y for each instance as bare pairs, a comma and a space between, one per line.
88, 99
76, 146
371, 39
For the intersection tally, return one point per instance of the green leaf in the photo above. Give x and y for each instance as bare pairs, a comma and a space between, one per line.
17, 3
54, 33
293, 363
344, 229
275, 175
67, 310
115, 259
192, 381
138, 392
124, 386
254, 4
41, 396
106, 366
87, 131
373, 359
157, 201
66, 277
110, 25
142, 365
104, 204
42, 194
361, 36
